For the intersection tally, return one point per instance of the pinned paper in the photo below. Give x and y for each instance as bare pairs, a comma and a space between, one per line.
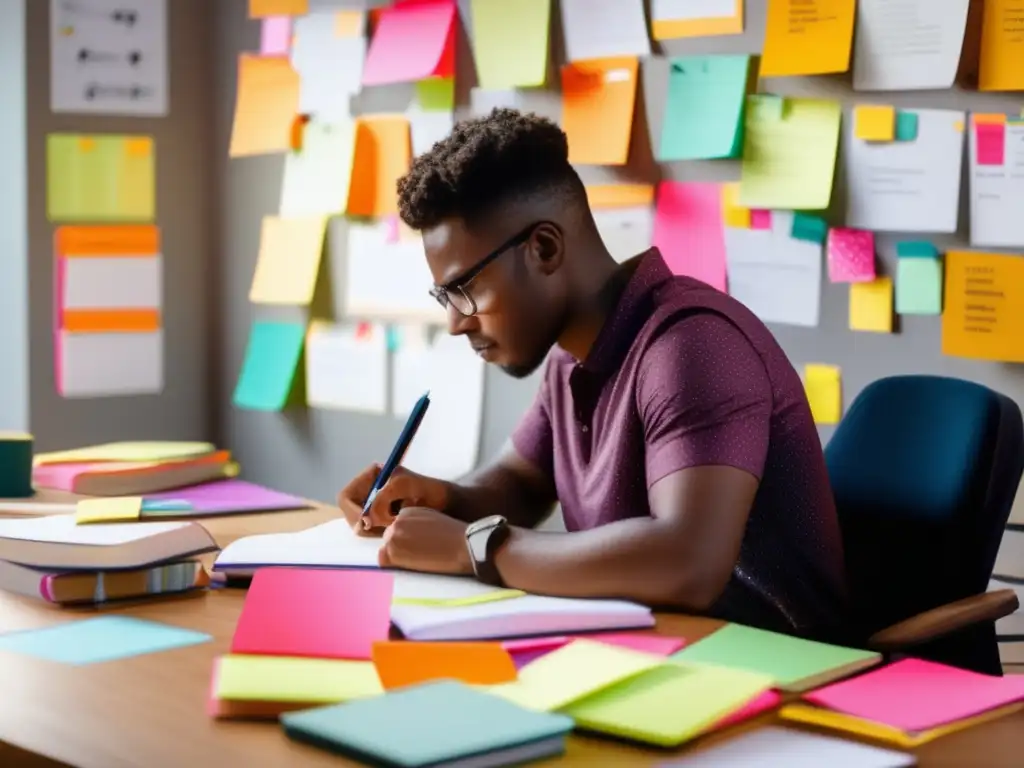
871, 306
598, 29
919, 285
600, 92
851, 255
346, 367
510, 42
760, 219
383, 152
807, 37
906, 126
671, 19
412, 41
100, 178
733, 213
402, 663
981, 318
688, 230
704, 111
330, 67
276, 36
813, 229
115, 509
1002, 47
289, 260
266, 104
271, 360
823, 385
316, 178
874, 123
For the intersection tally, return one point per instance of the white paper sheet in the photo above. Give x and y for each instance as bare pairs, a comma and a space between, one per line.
427, 127
110, 364
62, 529
330, 67
346, 369
113, 283
109, 57
997, 193
625, 231
907, 45
316, 178
906, 186
773, 274
692, 10
597, 29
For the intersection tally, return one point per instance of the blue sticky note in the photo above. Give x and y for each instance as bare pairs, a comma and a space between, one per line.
906, 126
704, 108
105, 638
814, 229
920, 249
271, 361
394, 339
166, 505
919, 286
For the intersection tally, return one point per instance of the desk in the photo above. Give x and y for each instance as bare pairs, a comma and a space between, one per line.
149, 711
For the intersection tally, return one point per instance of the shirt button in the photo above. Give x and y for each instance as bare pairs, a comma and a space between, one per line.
585, 428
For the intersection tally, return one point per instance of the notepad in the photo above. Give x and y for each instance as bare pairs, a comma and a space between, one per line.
431, 725
402, 664
312, 612
795, 664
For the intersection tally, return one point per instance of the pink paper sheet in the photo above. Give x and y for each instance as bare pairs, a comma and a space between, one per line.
689, 232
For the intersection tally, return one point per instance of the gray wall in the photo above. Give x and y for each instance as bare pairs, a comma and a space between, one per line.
315, 452
185, 212
14, 402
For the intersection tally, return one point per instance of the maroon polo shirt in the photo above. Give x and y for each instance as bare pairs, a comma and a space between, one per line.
681, 376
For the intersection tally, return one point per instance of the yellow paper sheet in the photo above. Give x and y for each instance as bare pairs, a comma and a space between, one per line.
1001, 63
982, 316
113, 509
383, 152
667, 28
266, 105
510, 42
288, 678
127, 451
620, 195
289, 260
823, 385
598, 97
871, 306
100, 178
807, 37
578, 669
733, 214
458, 602
789, 153
873, 122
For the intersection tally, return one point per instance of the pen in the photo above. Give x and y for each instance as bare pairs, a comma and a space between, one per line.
398, 452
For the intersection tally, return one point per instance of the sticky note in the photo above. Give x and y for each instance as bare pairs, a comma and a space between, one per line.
807, 37
402, 663
851, 255
436, 94
906, 126
266, 102
288, 261
760, 219
823, 386
276, 36
874, 123
316, 178
990, 143
108, 509
100, 178
688, 230
871, 306
1002, 48
510, 42
601, 196
284, 614
259, 9
789, 160
704, 108
349, 23
813, 229
412, 41
916, 249
672, 20
733, 214
918, 286
661, 645
293, 679
383, 153
104, 638
599, 92
271, 359
981, 319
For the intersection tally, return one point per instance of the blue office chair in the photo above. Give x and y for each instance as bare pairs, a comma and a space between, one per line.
924, 470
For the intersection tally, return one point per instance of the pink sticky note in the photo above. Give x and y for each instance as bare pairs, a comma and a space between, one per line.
689, 232
766, 701
413, 41
915, 695
276, 36
314, 612
851, 255
760, 219
660, 645
990, 143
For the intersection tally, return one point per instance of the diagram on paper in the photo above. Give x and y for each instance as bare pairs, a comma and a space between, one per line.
109, 57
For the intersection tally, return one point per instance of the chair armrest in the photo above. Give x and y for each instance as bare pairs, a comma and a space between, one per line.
945, 620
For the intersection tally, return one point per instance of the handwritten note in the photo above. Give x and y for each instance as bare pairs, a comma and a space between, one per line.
266, 103
688, 230
100, 178
289, 260
600, 92
982, 317
704, 111
823, 385
1002, 47
510, 42
871, 306
807, 37
851, 255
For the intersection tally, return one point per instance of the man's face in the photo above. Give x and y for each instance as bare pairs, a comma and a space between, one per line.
517, 298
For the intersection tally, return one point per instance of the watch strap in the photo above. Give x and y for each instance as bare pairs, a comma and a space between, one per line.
485, 569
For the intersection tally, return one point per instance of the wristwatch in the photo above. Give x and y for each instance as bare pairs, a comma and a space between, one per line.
484, 538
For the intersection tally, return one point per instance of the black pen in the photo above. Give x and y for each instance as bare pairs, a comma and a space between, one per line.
398, 452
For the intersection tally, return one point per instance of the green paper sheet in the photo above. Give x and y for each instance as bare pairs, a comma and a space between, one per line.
918, 286
100, 178
704, 109
510, 42
271, 361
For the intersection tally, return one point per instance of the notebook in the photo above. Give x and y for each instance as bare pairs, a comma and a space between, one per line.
445, 724
128, 478
795, 664
144, 450
95, 587
56, 542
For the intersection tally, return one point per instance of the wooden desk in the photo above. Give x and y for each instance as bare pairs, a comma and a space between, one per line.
149, 711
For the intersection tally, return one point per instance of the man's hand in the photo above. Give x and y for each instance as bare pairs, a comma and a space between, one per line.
403, 489
421, 539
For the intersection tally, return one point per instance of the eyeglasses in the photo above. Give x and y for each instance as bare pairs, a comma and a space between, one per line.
455, 292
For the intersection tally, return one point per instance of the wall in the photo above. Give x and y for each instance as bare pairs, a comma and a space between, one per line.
14, 400
186, 215
315, 452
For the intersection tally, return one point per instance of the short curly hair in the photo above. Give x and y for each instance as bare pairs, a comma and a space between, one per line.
484, 163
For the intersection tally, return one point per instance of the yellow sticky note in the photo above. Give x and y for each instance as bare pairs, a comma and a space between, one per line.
139, 147
599, 92
871, 305
99, 179
823, 386
807, 37
459, 602
383, 152
981, 316
109, 509
349, 23
289, 260
874, 123
292, 679
510, 42
1002, 47
620, 195
86, 144
266, 103
572, 672
733, 214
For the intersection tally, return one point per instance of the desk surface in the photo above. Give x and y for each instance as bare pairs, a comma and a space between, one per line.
150, 710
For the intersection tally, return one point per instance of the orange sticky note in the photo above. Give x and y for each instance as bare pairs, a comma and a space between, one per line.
872, 122
807, 37
620, 195
383, 152
1002, 47
407, 663
981, 317
259, 9
598, 97
266, 103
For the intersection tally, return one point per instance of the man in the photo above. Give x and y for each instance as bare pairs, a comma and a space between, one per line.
669, 424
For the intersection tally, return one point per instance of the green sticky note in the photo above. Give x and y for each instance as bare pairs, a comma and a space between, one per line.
271, 362
510, 42
916, 249
704, 109
918, 286
906, 126
436, 94
792, 662
808, 227
100, 178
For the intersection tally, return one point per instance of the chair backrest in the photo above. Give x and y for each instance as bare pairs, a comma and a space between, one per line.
924, 470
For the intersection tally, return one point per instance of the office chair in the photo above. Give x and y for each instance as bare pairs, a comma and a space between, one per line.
924, 470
